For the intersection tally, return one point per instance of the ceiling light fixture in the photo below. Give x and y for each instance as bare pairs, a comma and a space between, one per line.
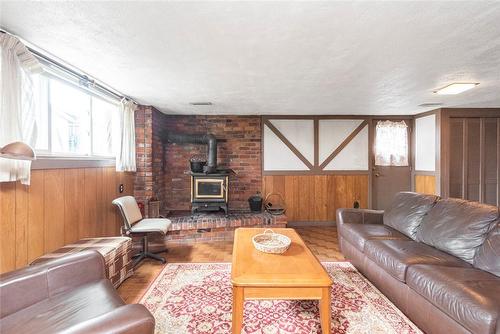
456, 88
200, 103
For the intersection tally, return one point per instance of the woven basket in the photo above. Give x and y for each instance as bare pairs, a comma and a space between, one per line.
275, 204
270, 242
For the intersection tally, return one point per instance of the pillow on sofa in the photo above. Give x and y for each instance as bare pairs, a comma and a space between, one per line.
458, 227
487, 256
407, 211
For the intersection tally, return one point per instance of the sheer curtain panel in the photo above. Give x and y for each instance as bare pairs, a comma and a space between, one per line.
391, 143
125, 160
17, 116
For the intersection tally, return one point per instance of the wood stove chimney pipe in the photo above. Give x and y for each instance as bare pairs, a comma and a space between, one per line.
201, 139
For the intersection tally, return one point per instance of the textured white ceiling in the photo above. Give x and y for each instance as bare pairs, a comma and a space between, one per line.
274, 57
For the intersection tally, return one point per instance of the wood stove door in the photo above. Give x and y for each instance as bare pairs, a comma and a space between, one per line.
209, 188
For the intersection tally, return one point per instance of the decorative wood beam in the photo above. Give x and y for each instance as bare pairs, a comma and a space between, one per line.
482, 160
343, 144
288, 144
465, 159
316, 143
498, 162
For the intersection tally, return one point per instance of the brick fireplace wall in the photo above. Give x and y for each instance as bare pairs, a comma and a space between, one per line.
161, 168
239, 148
143, 185
158, 156
150, 179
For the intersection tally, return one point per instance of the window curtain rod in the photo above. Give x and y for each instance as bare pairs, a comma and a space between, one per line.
83, 79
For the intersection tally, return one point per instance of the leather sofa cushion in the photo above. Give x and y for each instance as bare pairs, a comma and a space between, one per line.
407, 210
357, 234
468, 295
488, 255
66, 310
358, 216
458, 227
395, 256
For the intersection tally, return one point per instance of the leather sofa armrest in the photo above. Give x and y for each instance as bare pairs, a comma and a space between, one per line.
29, 285
359, 216
127, 319
71, 271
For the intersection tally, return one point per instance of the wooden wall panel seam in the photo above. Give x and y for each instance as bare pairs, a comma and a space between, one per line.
465, 148
36, 214
498, 162
482, 161
21, 224
7, 225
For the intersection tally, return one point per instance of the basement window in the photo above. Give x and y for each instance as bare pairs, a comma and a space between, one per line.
391, 143
73, 122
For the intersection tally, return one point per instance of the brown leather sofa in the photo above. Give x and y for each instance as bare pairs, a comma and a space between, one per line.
68, 295
437, 259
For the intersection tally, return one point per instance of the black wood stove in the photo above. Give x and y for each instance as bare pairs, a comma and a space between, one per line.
209, 192
209, 187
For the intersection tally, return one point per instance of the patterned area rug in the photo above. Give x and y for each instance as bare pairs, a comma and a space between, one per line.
197, 298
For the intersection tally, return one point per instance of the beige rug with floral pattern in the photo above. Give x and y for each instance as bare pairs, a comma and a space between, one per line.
196, 298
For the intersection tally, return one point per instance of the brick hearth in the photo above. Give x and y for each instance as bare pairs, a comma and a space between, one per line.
204, 227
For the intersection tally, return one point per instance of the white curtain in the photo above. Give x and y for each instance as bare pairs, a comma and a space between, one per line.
17, 115
391, 143
125, 159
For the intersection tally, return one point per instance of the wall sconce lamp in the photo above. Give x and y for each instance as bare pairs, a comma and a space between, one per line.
17, 151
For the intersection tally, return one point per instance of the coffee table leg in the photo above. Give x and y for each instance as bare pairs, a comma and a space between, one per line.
238, 300
324, 310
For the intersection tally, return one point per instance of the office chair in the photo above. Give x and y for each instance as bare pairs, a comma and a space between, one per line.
134, 224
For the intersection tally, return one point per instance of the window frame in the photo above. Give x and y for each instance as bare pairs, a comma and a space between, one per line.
49, 154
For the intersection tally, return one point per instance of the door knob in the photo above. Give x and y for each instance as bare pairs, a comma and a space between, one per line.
377, 174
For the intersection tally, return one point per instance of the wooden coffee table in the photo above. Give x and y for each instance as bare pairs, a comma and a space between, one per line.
296, 274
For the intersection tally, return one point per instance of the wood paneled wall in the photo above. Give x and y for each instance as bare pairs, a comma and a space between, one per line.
474, 158
425, 184
317, 197
59, 207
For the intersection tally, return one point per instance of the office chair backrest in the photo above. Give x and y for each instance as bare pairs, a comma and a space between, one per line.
129, 209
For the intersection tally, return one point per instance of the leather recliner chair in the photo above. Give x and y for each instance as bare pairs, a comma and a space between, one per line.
68, 295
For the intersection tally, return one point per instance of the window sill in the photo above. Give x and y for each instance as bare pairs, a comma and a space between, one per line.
53, 162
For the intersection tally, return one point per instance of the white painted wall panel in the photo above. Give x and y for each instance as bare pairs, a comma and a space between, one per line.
425, 143
300, 132
332, 132
277, 156
354, 156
